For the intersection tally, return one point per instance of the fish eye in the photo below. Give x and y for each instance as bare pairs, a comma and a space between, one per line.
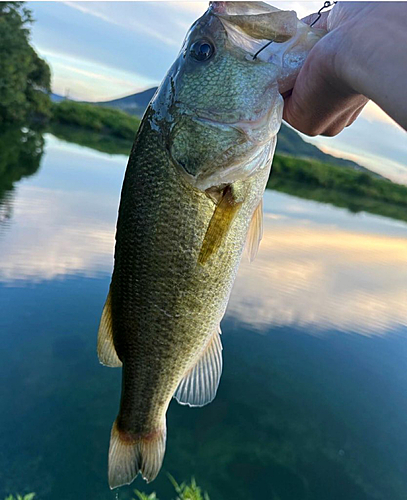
201, 50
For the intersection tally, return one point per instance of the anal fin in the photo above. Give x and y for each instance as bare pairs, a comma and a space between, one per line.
106, 350
199, 385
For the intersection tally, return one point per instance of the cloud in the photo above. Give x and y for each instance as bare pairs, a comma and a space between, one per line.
111, 38
96, 9
301, 8
80, 76
43, 216
70, 230
102, 50
128, 20
194, 8
373, 112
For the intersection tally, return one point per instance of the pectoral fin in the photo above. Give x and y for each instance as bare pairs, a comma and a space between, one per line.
106, 350
200, 384
255, 233
219, 225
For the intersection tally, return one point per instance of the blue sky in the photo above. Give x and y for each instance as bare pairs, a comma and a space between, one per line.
101, 50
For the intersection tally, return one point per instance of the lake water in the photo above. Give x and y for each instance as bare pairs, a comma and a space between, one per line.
312, 403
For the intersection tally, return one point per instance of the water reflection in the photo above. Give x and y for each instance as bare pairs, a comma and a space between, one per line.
318, 267
304, 411
6, 208
103, 143
67, 215
20, 155
321, 276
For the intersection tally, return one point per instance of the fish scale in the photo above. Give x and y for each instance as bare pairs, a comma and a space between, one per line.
191, 198
167, 306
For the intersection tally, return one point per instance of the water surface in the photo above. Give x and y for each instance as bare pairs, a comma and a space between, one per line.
312, 401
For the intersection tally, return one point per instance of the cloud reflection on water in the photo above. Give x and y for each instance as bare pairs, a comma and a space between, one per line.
318, 266
51, 238
322, 276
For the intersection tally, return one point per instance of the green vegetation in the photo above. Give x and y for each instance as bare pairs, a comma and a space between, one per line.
24, 77
21, 152
290, 143
343, 187
90, 139
184, 491
105, 121
29, 496
24, 89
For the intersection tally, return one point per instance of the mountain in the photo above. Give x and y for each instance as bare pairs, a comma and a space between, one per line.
289, 141
134, 104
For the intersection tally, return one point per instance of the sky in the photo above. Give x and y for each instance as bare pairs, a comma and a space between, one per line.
103, 50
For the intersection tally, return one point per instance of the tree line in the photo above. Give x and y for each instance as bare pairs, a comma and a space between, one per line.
25, 78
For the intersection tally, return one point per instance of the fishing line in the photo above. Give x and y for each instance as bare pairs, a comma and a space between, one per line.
326, 5
264, 46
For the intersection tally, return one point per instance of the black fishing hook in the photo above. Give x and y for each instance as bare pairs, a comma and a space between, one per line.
326, 5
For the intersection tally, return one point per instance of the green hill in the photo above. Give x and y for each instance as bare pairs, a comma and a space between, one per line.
105, 121
342, 187
291, 143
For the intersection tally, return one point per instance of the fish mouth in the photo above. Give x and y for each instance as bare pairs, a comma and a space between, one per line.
245, 127
258, 130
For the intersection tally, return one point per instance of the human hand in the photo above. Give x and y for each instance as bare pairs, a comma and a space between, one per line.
324, 99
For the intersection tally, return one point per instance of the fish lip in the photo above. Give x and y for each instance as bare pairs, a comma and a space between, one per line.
243, 126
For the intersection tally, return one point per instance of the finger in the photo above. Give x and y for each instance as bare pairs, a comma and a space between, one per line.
306, 109
356, 113
351, 108
318, 108
345, 118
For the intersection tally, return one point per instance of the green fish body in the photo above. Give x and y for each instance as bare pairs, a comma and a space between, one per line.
191, 201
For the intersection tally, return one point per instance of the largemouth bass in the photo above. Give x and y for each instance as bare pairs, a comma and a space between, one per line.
191, 200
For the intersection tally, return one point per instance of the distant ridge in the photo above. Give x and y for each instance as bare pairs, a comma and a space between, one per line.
134, 104
289, 141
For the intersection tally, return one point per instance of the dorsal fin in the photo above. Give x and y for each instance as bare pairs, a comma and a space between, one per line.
106, 350
255, 233
199, 385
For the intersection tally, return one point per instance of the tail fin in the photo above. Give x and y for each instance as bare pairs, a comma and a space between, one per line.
128, 457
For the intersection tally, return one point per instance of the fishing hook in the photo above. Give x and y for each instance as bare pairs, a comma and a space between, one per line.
326, 5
